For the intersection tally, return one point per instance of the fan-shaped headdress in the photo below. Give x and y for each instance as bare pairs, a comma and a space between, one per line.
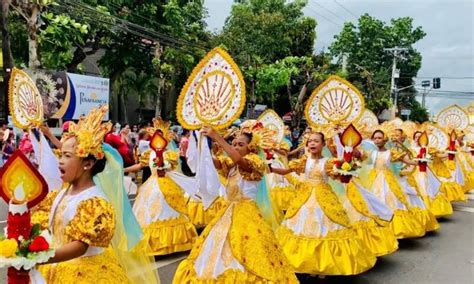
90, 133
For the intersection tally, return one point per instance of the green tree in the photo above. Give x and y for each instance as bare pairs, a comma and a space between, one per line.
139, 85
369, 66
181, 42
260, 32
290, 81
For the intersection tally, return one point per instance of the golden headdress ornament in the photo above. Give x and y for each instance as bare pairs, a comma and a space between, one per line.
163, 126
262, 137
90, 133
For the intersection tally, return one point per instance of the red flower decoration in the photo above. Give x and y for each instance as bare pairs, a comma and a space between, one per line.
38, 244
338, 163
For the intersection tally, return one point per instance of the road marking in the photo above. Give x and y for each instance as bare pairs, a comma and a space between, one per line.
463, 208
470, 196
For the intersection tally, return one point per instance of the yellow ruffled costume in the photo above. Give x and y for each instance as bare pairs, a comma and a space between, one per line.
282, 188
239, 245
316, 234
200, 217
94, 224
466, 160
452, 190
383, 183
282, 196
374, 231
161, 210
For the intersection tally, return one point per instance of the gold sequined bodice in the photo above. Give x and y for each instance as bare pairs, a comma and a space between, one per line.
316, 173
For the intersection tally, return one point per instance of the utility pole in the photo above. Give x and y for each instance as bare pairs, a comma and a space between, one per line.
397, 53
344, 61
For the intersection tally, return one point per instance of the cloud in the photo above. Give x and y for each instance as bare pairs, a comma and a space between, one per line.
447, 49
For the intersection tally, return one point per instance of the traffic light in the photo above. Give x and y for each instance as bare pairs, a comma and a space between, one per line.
436, 83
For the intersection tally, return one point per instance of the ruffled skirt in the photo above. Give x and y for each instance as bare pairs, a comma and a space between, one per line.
200, 217
405, 225
453, 191
440, 206
338, 253
426, 218
236, 247
101, 268
315, 244
379, 239
168, 236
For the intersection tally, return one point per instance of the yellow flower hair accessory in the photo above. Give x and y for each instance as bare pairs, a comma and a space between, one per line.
90, 133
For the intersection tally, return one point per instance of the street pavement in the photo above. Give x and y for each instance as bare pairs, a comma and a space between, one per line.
446, 256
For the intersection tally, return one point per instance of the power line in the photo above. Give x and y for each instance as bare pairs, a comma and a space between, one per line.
133, 28
324, 17
444, 97
462, 93
448, 78
329, 11
345, 9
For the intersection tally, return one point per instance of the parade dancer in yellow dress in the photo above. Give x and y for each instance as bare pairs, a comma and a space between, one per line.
316, 233
369, 216
91, 221
466, 160
429, 185
239, 245
449, 120
408, 183
282, 189
382, 181
200, 214
161, 206
448, 172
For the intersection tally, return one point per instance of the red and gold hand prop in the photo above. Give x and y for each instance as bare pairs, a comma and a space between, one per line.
350, 138
22, 187
452, 145
158, 143
423, 141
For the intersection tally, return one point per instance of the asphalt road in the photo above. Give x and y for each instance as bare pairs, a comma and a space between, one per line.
446, 256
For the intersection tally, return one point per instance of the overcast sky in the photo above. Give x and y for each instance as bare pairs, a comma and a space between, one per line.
447, 49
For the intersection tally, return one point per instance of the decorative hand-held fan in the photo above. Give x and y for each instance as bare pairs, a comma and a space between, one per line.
26, 105
336, 102
453, 117
437, 137
272, 121
368, 122
214, 94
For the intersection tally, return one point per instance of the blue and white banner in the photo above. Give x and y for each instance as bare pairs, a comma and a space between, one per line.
85, 93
